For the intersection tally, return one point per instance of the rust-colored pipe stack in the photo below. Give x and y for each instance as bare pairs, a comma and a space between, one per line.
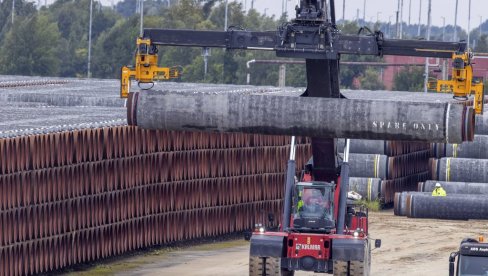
82, 195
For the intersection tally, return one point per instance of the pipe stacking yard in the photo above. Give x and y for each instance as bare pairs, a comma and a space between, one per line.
78, 184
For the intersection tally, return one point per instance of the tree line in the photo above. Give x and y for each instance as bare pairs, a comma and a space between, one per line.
53, 41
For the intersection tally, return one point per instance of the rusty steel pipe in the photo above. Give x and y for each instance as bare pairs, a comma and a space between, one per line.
287, 115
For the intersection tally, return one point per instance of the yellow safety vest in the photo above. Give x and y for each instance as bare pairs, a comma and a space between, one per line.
439, 192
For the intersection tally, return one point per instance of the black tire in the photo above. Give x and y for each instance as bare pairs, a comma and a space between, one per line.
358, 268
267, 267
256, 266
273, 268
354, 268
341, 268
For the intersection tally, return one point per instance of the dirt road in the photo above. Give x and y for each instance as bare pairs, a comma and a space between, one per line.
410, 247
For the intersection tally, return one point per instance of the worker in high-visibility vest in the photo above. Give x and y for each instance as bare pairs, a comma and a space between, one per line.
438, 191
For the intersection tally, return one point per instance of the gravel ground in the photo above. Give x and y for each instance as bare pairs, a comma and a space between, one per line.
410, 247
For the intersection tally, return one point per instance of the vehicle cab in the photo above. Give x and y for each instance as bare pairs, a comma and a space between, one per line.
472, 259
313, 207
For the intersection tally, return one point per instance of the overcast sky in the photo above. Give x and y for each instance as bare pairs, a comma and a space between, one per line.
384, 9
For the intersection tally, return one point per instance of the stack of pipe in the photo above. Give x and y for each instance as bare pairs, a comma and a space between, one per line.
77, 184
383, 168
462, 171
286, 114
78, 196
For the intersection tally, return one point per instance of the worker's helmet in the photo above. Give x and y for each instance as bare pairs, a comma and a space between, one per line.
437, 185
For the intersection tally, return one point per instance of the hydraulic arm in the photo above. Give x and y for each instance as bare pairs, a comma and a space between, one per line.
461, 83
146, 68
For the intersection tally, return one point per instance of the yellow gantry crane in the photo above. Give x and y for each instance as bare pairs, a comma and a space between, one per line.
146, 69
462, 84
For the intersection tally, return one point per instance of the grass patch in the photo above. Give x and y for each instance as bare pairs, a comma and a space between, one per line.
373, 206
220, 245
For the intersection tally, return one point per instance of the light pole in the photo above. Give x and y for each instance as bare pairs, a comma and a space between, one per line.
226, 14
469, 23
378, 16
364, 11
444, 62
429, 22
401, 21
420, 17
265, 10
397, 27
286, 9
343, 12
90, 40
481, 23
409, 11
455, 21
389, 26
13, 11
443, 28
141, 9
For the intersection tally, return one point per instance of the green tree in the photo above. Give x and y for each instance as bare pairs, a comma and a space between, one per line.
72, 18
370, 80
409, 79
482, 44
22, 9
30, 48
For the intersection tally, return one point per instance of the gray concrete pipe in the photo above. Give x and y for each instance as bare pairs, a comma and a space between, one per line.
455, 187
287, 115
389, 148
482, 123
455, 206
368, 188
460, 170
368, 165
364, 146
477, 149
400, 203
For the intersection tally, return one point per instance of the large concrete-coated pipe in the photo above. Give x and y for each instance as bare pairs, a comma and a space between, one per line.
400, 202
455, 187
368, 188
455, 206
390, 148
460, 170
482, 123
364, 146
477, 149
368, 165
291, 115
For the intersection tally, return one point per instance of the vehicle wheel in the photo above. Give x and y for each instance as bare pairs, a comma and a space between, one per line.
273, 268
362, 268
358, 268
256, 266
341, 268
